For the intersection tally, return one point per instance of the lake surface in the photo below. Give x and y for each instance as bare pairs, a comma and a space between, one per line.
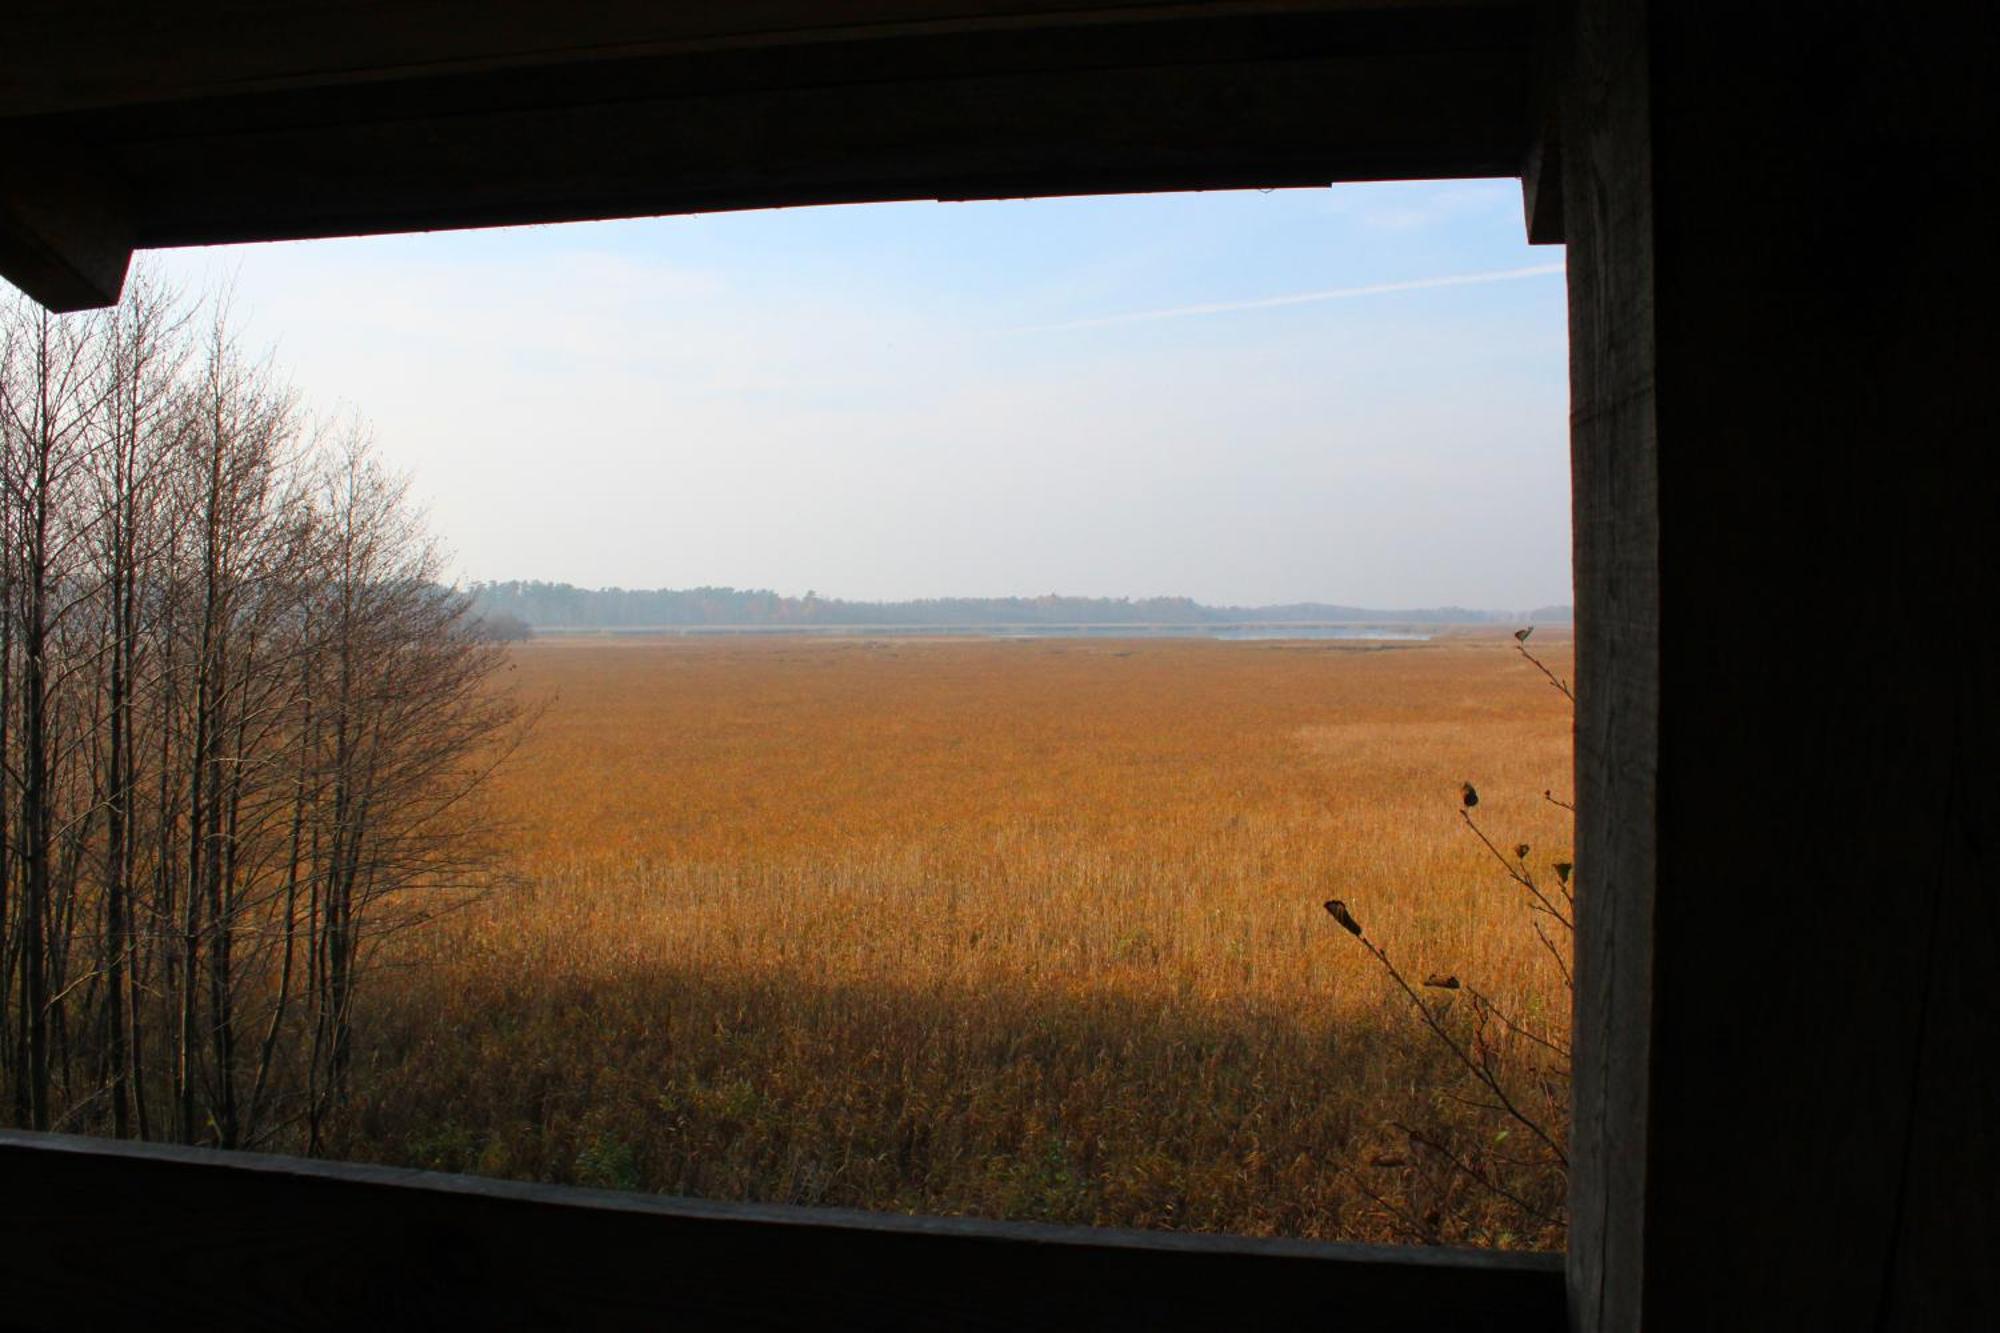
1246, 631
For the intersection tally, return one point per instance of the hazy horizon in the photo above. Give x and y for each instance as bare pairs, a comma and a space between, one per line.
1355, 396
827, 595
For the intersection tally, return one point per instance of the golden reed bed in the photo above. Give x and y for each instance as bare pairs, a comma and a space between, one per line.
1024, 929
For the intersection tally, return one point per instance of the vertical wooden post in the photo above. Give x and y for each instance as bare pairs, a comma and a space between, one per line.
1783, 306
1608, 224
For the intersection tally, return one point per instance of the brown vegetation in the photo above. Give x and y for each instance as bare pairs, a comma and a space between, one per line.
1024, 929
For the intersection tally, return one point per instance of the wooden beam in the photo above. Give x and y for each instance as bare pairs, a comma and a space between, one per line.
1007, 134
77, 55
1785, 1088
1615, 526
1827, 920
1542, 187
240, 1240
66, 234
1541, 165
1201, 96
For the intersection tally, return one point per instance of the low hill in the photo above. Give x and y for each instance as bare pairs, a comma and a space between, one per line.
548, 606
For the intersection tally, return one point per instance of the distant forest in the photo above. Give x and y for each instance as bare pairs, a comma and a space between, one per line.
563, 606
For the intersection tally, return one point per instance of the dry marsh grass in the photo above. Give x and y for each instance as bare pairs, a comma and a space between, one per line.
1024, 929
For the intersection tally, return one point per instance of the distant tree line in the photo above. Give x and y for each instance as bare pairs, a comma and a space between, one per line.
240, 718
563, 606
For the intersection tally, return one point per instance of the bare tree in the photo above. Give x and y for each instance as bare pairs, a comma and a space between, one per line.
49, 410
243, 719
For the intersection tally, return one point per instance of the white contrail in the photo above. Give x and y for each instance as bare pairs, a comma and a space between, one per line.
1303, 298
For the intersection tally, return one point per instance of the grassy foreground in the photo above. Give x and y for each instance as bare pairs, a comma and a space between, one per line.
1015, 929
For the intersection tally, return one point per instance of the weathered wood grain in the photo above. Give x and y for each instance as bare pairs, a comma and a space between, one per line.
1783, 346
1616, 525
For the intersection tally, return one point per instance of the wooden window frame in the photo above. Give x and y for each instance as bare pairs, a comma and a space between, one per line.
1212, 95
1711, 164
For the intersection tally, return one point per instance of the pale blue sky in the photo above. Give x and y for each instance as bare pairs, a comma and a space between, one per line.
908, 400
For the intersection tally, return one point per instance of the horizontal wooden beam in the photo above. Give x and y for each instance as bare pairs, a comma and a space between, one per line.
1003, 100
66, 236
74, 55
107, 1235
984, 135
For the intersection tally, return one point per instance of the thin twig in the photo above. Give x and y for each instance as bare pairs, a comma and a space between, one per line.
1412, 1225
1555, 680
1515, 871
1472, 1172
1479, 1071
1562, 963
1480, 1000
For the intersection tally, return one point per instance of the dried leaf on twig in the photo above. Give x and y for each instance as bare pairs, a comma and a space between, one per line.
1338, 911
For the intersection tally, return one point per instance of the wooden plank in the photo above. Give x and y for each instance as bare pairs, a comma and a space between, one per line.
1218, 97
1542, 188
1614, 468
66, 234
240, 1240
1826, 918
70, 55
1277, 122
1785, 1089
1541, 166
